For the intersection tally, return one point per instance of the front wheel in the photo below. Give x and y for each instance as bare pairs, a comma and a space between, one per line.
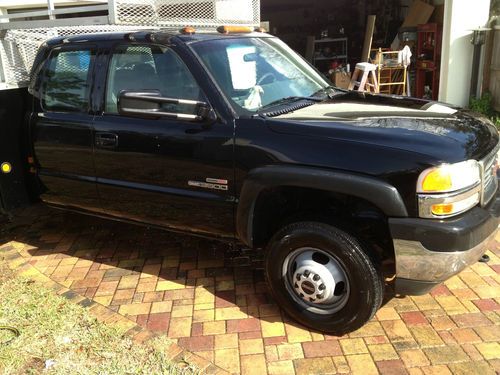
322, 277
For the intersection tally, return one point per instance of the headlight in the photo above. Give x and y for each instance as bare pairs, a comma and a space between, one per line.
449, 177
449, 189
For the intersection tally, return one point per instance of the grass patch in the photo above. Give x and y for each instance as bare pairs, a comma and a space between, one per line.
55, 329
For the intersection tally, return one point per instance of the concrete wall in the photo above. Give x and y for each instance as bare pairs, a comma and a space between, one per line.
460, 17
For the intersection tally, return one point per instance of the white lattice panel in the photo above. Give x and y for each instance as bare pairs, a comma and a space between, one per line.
200, 13
18, 47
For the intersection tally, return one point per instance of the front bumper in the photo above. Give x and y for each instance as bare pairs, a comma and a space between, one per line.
429, 252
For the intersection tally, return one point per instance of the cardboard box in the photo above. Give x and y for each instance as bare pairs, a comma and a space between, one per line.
418, 14
341, 79
438, 15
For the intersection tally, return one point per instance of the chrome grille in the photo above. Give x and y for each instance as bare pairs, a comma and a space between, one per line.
489, 176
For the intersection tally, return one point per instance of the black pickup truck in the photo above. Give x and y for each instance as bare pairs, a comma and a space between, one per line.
234, 136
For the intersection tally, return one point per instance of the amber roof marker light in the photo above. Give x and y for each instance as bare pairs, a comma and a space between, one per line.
234, 29
188, 30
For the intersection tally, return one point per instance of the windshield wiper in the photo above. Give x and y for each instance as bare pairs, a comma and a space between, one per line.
290, 99
329, 91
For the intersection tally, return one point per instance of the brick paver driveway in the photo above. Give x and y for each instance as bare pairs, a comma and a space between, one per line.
183, 286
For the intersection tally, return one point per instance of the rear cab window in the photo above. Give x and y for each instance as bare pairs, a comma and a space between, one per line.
66, 80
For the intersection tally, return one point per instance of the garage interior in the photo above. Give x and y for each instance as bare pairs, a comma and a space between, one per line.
331, 35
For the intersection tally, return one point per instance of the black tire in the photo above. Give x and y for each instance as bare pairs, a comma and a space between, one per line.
366, 285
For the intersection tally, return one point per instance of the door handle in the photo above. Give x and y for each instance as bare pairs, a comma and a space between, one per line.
106, 140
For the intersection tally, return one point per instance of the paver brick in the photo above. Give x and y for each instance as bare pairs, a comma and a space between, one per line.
387, 313
446, 354
251, 346
243, 325
488, 304
297, 334
159, 322
230, 313
353, 346
382, 352
488, 333
170, 285
214, 328
465, 335
442, 322
471, 320
489, 350
290, 351
254, 364
124, 294
272, 327
180, 327
280, 368
391, 367
196, 344
135, 309
314, 366
228, 359
468, 368
426, 336
414, 358
321, 348
226, 341
413, 318
362, 364
180, 311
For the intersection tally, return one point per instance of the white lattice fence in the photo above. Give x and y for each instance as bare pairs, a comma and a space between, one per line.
18, 47
186, 12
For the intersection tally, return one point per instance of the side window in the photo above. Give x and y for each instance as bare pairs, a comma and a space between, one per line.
150, 68
66, 81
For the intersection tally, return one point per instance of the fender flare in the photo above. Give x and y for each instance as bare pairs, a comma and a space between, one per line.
378, 192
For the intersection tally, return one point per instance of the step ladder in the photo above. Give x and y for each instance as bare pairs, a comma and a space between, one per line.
364, 78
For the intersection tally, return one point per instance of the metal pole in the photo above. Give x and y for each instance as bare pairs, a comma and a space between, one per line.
478, 38
112, 12
50, 6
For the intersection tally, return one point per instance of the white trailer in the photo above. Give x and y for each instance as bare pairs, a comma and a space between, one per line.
22, 33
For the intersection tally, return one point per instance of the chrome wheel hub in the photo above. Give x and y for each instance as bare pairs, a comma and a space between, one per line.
316, 280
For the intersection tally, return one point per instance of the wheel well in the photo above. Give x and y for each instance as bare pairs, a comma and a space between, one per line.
280, 206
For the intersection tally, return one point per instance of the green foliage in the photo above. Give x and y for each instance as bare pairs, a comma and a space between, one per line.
495, 8
484, 105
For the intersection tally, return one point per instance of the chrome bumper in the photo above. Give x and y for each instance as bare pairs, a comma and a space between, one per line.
415, 262
428, 252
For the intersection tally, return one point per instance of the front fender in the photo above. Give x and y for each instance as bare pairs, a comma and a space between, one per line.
378, 192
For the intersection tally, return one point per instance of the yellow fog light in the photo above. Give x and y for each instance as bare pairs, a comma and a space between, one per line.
6, 167
442, 209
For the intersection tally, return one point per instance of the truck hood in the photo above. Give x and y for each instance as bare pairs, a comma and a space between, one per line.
440, 131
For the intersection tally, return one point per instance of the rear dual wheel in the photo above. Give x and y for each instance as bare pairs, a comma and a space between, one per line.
322, 277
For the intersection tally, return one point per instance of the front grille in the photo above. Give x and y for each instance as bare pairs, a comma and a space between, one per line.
489, 176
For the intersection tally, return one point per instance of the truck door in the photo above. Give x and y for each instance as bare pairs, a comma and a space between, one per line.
61, 128
168, 172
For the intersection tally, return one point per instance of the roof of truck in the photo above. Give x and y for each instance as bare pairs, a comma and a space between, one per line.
151, 36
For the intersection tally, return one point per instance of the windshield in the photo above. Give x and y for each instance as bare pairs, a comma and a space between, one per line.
254, 72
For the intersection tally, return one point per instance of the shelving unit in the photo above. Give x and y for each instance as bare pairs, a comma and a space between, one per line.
428, 60
391, 74
321, 52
